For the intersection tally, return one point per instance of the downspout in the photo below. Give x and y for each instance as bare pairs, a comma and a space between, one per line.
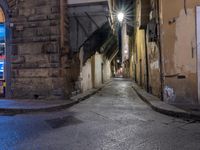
147, 62
160, 52
62, 19
185, 7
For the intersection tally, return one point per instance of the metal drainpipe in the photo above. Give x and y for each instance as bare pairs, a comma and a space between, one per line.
160, 52
62, 23
147, 61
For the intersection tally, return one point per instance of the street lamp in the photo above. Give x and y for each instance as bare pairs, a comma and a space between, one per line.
120, 16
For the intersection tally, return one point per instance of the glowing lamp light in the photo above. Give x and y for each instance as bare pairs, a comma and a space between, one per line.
120, 16
121, 69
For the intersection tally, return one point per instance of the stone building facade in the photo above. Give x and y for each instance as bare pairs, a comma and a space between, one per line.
37, 53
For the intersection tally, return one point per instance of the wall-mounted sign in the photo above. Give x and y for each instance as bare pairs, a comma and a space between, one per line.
2, 33
2, 69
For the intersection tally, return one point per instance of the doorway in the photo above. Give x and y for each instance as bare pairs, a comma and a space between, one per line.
198, 47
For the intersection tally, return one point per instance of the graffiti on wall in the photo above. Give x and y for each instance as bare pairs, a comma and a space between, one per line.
169, 94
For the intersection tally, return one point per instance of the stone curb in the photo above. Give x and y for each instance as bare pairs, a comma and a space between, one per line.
178, 113
13, 111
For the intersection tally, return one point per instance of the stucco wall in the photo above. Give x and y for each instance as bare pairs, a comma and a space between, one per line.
98, 70
106, 70
94, 72
86, 76
140, 58
85, 73
178, 40
154, 69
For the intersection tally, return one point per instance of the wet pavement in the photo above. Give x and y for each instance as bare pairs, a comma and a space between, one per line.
113, 119
30, 104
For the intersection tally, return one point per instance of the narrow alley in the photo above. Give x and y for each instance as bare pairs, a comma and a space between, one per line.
113, 119
99, 75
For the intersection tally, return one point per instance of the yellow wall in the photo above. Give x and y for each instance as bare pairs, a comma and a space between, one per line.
140, 47
140, 58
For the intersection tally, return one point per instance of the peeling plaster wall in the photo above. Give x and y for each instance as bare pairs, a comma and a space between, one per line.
85, 73
106, 70
98, 70
154, 69
178, 40
153, 53
140, 59
86, 76
93, 73
102, 69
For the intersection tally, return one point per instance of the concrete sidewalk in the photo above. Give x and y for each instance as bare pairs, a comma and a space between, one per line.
162, 107
30, 106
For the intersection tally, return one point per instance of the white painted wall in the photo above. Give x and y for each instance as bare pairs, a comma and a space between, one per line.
106, 70
85, 73
99, 60
98, 70
86, 76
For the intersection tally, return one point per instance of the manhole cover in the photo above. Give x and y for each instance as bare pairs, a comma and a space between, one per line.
62, 122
